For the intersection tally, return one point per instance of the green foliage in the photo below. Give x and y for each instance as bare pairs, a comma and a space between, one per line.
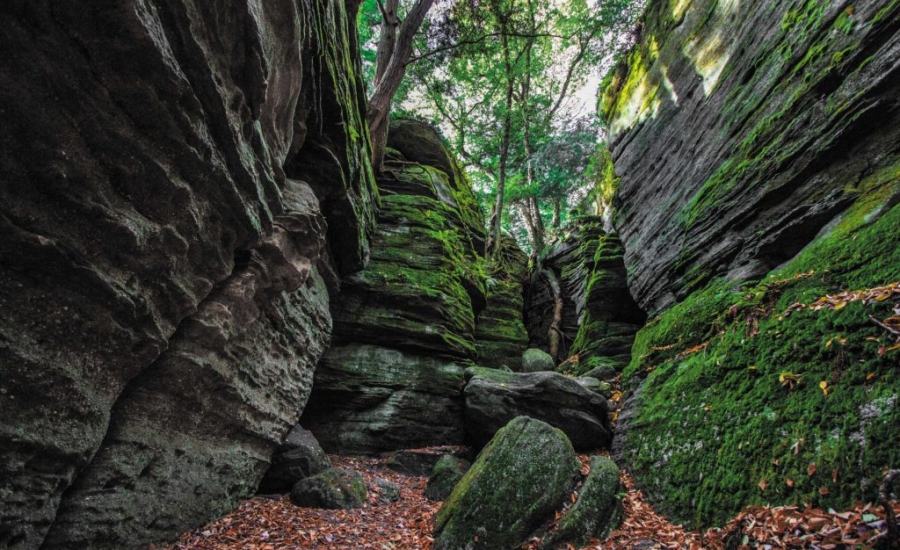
460, 78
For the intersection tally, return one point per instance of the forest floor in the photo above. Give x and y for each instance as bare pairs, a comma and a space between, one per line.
275, 524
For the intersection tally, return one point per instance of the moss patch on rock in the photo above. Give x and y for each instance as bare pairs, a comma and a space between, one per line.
746, 398
515, 484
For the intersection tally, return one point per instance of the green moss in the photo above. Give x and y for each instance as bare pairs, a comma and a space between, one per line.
884, 12
714, 419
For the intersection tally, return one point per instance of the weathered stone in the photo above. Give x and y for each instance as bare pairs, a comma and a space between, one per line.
535, 360
599, 318
602, 372
143, 204
756, 173
515, 484
386, 491
597, 511
299, 457
369, 398
334, 489
590, 383
733, 154
493, 398
405, 325
500, 335
447, 472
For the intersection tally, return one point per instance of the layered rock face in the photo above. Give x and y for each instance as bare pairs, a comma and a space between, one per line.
739, 131
500, 335
759, 162
162, 304
600, 318
405, 325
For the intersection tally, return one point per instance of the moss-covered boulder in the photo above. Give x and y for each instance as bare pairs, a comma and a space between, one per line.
536, 360
598, 510
333, 489
448, 471
299, 457
493, 398
515, 484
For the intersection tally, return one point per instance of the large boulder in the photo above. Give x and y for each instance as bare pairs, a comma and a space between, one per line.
299, 457
493, 398
369, 398
515, 484
597, 511
333, 489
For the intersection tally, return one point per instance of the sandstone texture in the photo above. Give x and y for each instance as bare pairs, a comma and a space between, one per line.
405, 325
299, 457
165, 245
493, 398
757, 161
599, 318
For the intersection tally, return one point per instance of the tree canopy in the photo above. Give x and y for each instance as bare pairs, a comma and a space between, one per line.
509, 82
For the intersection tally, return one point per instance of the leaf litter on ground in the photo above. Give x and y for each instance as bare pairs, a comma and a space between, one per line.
275, 524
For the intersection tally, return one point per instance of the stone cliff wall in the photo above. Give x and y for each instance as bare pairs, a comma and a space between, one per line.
168, 173
757, 147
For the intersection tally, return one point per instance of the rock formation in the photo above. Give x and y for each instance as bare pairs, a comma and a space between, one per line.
405, 325
757, 149
493, 398
514, 486
168, 173
599, 317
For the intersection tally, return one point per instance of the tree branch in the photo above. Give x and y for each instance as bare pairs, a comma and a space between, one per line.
480, 39
384, 13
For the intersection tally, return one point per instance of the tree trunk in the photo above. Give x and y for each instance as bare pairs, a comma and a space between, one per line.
493, 240
555, 334
538, 224
554, 223
394, 49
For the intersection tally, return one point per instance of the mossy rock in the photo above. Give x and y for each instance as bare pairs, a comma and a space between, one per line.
602, 372
516, 483
535, 360
448, 471
730, 397
597, 511
492, 398
334, 489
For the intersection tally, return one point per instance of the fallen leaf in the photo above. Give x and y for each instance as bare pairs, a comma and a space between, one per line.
763, 484
811, 470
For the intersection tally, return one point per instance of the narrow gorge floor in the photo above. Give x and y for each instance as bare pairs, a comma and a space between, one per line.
274, 523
